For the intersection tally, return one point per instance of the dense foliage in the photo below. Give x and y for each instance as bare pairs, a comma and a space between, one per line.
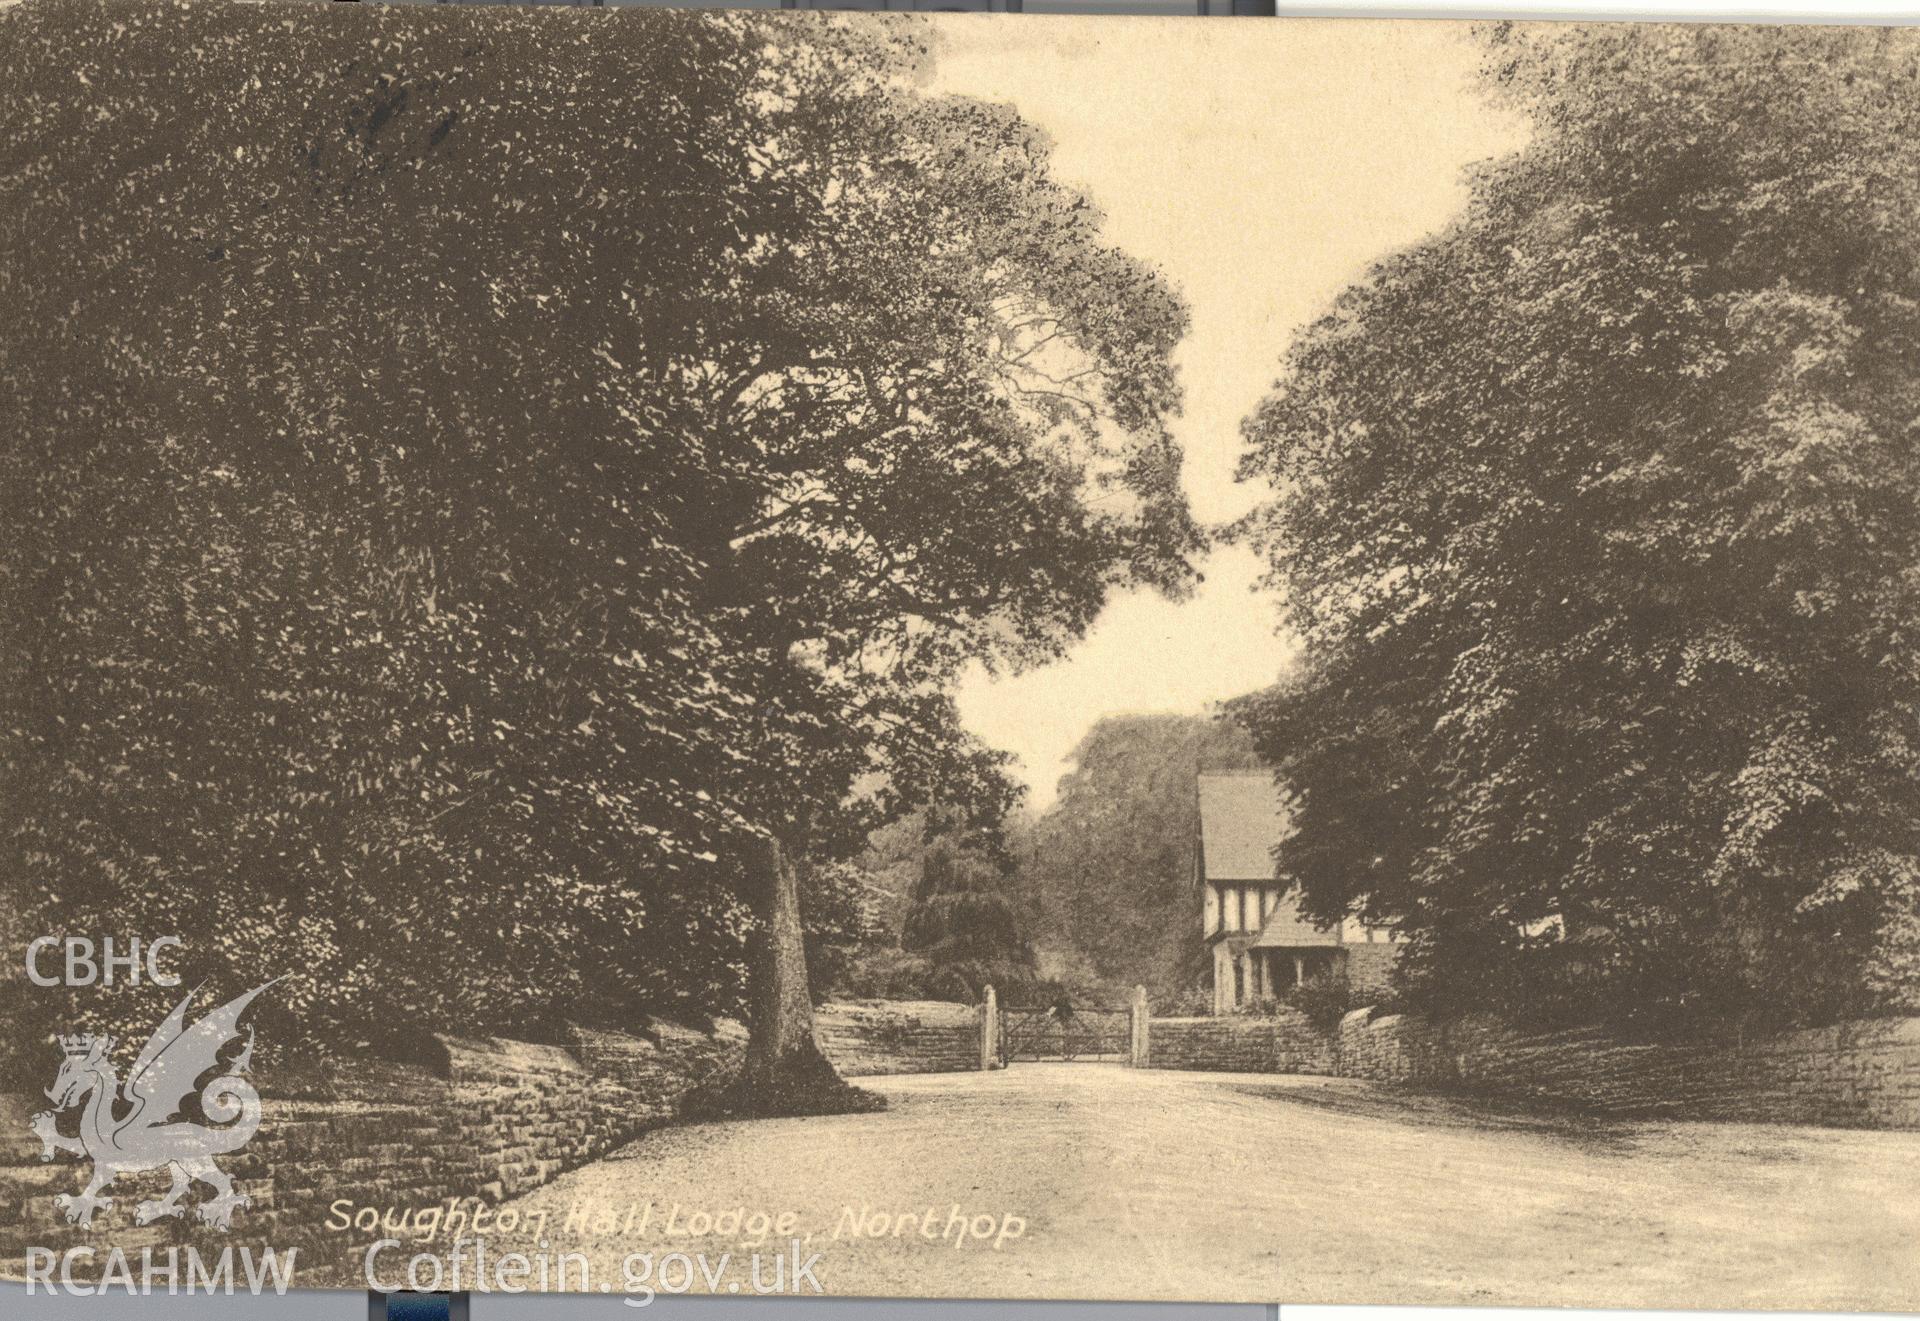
966, 919
483, 462
945, 914
1599, 514
1111, 863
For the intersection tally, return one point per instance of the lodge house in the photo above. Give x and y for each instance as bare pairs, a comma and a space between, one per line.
1262, 945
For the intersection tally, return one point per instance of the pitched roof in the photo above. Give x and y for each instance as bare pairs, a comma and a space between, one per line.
1242, 816
1287, 928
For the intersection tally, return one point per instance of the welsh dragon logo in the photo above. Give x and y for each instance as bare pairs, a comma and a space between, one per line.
139, 1126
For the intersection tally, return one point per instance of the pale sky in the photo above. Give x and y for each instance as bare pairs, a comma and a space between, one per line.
1260, 165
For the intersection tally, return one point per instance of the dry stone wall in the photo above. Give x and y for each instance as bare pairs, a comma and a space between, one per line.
865, 1037
487, 1119
1283, 1042
1854, 1074
1864, 1074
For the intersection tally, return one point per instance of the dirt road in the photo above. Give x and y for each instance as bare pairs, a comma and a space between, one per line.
1233, 1187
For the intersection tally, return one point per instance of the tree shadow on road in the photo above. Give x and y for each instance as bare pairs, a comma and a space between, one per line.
1584, 1128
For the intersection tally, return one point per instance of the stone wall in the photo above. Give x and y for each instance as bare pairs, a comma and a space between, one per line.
487, 1118
1862, 1074
1392, 1048
863, 1037
1851, 1074
1282, 1042
483, 1118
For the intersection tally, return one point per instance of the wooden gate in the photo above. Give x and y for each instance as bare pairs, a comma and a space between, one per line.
1084, 1036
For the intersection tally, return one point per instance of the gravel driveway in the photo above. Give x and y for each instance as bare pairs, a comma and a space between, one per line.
1235, 1187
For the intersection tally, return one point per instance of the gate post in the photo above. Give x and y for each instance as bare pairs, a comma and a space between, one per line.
989, 1030
1138, 1021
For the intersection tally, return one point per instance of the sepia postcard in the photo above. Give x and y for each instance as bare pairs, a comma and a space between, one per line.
653, 652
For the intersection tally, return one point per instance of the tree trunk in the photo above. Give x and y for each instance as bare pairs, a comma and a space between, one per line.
784, 1072
779, 999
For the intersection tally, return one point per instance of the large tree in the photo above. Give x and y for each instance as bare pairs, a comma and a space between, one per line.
1112, 861
966, 919
361, 634
952, 396
514, 485
1598, 514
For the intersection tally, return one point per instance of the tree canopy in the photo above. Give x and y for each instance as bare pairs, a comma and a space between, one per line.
966, 918
484, 462
1598, 515
1111, 863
